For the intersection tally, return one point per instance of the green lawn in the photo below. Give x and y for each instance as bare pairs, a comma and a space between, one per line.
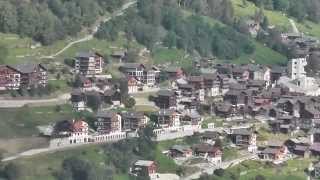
22, 122
229, 153
173, 56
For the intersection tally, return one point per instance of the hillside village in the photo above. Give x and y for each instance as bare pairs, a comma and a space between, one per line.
214, 110
246, 99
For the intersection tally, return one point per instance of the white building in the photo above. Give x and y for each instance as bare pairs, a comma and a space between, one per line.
80, 132
296, 68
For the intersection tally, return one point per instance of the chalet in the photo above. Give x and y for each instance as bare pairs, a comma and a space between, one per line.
166, 99
198, 83
132, 121
133, 85
284, 124
151, 76
209, 137
174, 72
188, 104
225, 69
225, 83
276, 73
224, 109
191, 118
119, 55
243, 137
134, 70
142, 168
112, 96
32, 75
253, 27
236, 97
308, 116
288, 105
168, 118
9, 78
275, 151
88, 64
210, 152
180, 151
186, 90
85, 83
78, 100
79, 132
62, 129
257, 84
299, 146
212, 85
240, 73
262, 73
108, 122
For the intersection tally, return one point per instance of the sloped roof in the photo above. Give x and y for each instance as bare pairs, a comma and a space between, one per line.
26, 68
106, 114
83, 54
242, 131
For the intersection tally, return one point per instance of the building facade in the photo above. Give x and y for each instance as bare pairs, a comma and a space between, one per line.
89, 64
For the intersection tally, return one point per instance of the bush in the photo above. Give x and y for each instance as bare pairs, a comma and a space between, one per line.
129, 102
69, 62
260, 177
219, 172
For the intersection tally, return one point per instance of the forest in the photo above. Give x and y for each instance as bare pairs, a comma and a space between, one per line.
49, 20
164, 22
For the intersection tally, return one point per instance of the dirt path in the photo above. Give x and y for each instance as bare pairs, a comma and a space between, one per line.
95, 29
294, 26
61, 99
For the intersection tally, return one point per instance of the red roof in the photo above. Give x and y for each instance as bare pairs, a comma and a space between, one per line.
79, 126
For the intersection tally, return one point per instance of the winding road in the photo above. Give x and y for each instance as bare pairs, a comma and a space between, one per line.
95, 29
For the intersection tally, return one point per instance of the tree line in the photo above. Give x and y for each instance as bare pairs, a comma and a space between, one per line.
306, 9
164, 22
49, 20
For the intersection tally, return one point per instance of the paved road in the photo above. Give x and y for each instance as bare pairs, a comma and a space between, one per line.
94, 30
294, 26
61, 99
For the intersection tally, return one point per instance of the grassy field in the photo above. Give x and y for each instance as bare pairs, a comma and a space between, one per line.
173, 57
275, 18
230, 153
265, 135
20, 48
218, 122
44, 166
248, 170
23, 122
262, 55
